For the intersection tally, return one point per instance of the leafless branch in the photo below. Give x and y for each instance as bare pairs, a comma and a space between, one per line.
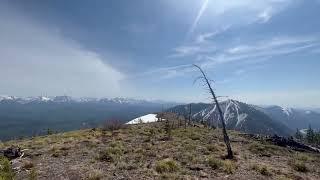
225, 134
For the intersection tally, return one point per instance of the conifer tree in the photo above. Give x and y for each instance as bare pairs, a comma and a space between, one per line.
298, 135
310, 135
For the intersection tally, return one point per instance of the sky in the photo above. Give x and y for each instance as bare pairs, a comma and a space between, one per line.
260, 52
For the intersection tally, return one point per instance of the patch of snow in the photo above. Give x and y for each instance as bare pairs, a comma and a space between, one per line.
4, 97
44, 99
208, 115
144, 119
286, 110
241, 118
308, 112
303, 131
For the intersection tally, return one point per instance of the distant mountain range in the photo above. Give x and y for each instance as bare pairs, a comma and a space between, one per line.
34, 115
69, 99
28, 116
294, 118
252, 118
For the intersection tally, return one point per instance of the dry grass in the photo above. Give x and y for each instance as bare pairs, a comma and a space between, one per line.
33, 175
142, 152
298, 165
6, 172
167, 166
262, 169
215, 163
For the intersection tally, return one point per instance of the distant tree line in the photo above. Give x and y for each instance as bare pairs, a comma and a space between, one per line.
311, 136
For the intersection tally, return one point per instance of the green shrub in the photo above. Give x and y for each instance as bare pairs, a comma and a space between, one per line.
194, 136
6, 172
302, 157
111, 154
226, 165
229, 167
167, 165
264, 170
299, 166
264, 149
215, 163
95, 175
213, 148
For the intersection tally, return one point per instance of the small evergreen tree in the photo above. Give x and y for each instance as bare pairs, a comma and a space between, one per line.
317, 137
49, 131
298, 135
310, 135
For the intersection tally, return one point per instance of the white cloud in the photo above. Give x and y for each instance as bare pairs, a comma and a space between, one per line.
36, 60
265, 15
256, 52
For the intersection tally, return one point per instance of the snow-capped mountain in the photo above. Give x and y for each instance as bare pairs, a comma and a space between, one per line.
69, 99
294, 118
238, 116
253, 118
243, 117
23, 100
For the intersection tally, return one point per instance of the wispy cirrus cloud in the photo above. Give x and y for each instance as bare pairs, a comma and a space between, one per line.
261, 50
207, 37
199, 15
189, 50
244, 53
238, 11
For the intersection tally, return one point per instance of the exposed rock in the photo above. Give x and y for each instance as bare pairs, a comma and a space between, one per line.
203, 174
283, 142
12, 153
290, 142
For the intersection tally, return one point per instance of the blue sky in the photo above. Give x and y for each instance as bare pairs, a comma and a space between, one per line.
262, 52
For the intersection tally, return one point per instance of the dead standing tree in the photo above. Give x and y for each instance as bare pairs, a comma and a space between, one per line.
225, 134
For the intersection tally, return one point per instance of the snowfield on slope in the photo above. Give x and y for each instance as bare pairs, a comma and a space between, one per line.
144, 119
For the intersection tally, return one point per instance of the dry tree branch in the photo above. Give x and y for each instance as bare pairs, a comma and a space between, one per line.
225, 134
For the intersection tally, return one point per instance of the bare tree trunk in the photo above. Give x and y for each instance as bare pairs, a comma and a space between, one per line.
225, 134
185, 121
189, 114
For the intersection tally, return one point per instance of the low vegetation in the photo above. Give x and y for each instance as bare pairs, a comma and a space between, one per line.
112, 153
167, 166
263, 149
6, 172
298, 165
262, 169
215, 163
144, 151
226, 166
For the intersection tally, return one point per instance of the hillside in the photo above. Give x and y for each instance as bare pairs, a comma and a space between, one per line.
294, 118
144, 151
238, 116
